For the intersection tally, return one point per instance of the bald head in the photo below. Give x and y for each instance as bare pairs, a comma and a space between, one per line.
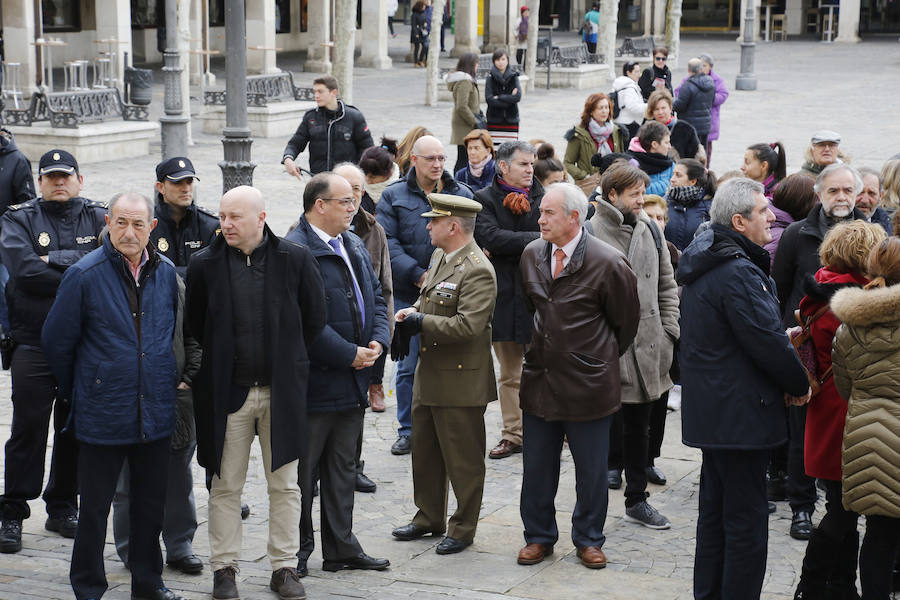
242, 215
428, 160
427, 143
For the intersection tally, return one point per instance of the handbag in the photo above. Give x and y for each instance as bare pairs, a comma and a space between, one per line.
480, 120
801, 339
589, 183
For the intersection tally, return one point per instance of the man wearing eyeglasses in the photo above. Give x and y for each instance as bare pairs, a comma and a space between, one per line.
399, 212
656, 75
342, 356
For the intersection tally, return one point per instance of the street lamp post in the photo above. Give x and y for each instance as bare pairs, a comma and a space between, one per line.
173, 124
746, 79
237, 168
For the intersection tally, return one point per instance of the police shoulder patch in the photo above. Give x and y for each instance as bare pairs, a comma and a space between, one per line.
98, 204
208, 212
22, 205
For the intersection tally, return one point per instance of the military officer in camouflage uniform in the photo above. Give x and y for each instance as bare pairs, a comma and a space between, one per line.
454, 378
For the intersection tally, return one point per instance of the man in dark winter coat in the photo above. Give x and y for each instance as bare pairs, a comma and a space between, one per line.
400, 213
355, 335
109, 340
837, 187
254, 302
16, 182
508, 223
695, 99
336, 132
869, 199
737, 366
39, 240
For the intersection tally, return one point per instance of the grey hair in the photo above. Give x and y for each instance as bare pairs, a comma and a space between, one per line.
863, 171
734, 197
466, 224
349, 165
151, 207
695, 65
834, 167
707, 58
573, 199
507, 149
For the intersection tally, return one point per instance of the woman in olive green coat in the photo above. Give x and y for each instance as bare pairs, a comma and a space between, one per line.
866, 362
595, 134
463, 84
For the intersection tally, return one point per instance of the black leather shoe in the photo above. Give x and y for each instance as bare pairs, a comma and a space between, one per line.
160, 594
302, 569
410, 531
401, 446
655, 476
11, 536
364, 484
66, 525
614, 476
363, 562
451, 545
189, 565
245, 511
801, 525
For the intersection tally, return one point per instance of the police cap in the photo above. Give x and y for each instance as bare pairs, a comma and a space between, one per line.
175, 169
57, 161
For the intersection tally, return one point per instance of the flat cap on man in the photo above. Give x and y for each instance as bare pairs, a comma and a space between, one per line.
826, 135
57, 161
448, 205
175, 169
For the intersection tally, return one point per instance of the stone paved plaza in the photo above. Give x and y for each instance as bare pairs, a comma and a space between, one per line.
803, 86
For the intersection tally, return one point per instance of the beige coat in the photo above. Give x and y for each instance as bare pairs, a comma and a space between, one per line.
465, 105
644, 368
866, 360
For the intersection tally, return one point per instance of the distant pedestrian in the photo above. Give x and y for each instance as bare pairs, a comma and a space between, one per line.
418, 33
767, 164
463, 84
590, 27
391, 6
479, 172
595, 133
631, 103
502, 94
656, 76
721, 97
694, 100
522, 35
823, 150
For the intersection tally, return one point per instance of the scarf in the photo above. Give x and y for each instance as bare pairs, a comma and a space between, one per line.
650, 163
375, 189
477, 170
516, 199
687, 195
600, 134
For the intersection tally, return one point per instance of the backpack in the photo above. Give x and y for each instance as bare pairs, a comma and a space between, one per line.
801, 339
614, 101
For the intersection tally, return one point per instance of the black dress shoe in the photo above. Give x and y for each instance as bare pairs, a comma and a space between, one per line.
614, 477
363, 562
65, 525
410, 531
302, 569
160, 594
401, 446
364, 484
245, 511
801, 525
451, 545
189, 564
655, 476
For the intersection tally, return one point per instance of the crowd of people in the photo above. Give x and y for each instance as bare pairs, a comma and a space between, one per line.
598, 282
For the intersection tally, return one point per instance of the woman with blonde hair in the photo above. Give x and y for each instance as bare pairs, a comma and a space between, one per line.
866, 360
404, 148
829, 566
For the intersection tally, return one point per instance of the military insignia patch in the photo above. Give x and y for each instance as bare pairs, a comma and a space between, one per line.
163, 244
44, 239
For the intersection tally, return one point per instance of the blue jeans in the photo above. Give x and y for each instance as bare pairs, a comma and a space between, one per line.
406, 370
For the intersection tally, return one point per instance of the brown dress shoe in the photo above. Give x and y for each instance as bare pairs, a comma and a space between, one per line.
592, 557
504, 449
376, 397
532, 554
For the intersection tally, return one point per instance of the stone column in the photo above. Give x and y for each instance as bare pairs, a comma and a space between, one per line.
466, 28
673, 32
261, 33
318, 57
344, 45
434, 50
848, 22
114, 21
375, 35
486, 24
534, 7
18, 35
606, 37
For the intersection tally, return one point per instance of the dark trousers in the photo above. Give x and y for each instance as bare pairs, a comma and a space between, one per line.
420, 52
98, 469
659, 409
462, 158
732, 525
592, 47
520, 56
880, 550
702, 139
391, 25
629, 442
333, 438
831, 552
589, 443
406, 371
33, 399
801, 488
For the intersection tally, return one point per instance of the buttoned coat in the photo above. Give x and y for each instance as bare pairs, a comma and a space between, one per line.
455, 365
644, 368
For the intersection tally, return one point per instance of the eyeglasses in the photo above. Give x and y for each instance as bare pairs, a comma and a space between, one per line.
660, 58
433, 158
343, 201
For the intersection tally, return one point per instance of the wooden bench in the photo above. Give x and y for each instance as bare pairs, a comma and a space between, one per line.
262, 89
639, 46
69, 109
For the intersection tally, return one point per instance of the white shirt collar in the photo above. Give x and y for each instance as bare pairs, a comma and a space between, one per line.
569, 248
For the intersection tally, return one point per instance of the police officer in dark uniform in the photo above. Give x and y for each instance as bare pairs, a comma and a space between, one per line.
183, 228
40, 239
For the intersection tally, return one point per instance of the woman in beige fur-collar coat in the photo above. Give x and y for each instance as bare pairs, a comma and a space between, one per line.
866, 361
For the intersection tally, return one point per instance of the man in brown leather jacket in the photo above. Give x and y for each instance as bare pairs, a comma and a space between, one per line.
586, 314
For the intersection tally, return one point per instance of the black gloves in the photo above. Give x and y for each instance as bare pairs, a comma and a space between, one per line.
403, 332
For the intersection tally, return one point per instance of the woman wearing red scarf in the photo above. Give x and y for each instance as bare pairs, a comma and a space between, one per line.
595, 133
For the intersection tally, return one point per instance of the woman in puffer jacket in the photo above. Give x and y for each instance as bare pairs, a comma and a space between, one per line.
690, 195
866, 361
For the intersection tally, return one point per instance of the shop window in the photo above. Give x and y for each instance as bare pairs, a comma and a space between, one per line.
143, 13
61, 15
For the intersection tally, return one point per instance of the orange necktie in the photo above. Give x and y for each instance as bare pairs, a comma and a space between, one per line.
560, 255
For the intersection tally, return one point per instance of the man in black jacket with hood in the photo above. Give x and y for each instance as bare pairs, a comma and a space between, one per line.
336, 132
